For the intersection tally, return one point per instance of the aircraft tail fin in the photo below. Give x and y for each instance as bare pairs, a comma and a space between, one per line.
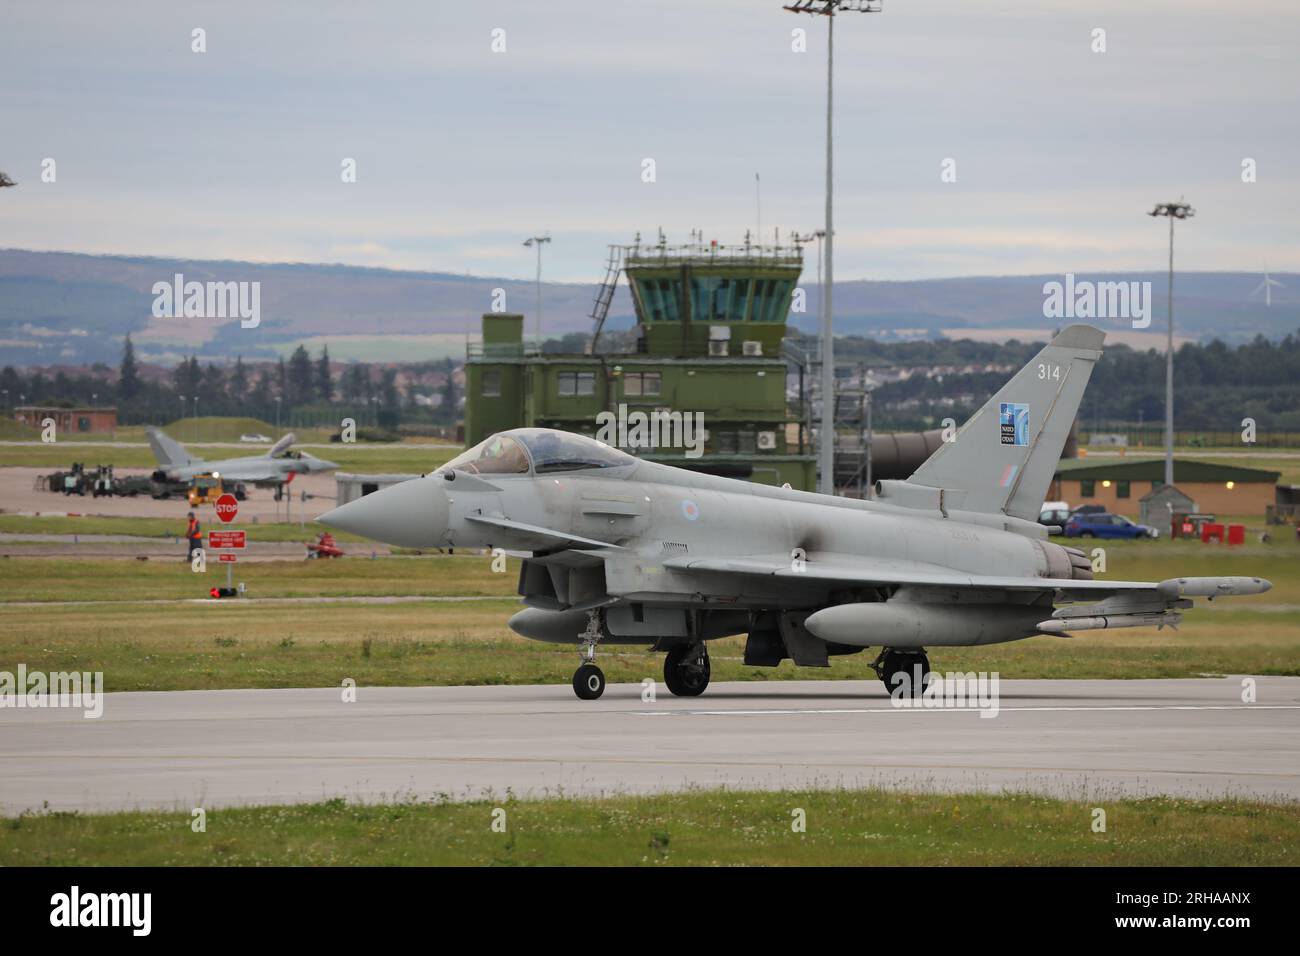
167, 451
1003, 459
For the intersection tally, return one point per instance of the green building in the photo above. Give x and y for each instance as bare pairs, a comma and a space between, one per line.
710, 323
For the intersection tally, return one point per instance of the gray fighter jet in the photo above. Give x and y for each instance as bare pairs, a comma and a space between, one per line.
270, 470
623, 551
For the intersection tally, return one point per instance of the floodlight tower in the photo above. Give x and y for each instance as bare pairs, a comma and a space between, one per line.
538, 241
1173, 210
826, 447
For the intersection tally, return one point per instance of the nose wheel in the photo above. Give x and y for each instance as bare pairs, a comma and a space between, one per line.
588, 682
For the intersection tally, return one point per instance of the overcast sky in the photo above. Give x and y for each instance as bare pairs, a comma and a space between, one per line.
462, 152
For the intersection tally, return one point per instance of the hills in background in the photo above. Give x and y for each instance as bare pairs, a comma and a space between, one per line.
70, 308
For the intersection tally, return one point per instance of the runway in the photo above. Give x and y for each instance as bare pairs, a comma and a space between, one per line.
1101, 739
19, 493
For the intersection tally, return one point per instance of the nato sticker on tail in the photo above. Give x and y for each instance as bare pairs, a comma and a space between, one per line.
1015, 423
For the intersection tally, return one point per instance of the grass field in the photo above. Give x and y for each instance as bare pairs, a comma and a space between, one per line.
177, 645
169, 528
405, 457
461, 575
695, 828
416, 455
204, 429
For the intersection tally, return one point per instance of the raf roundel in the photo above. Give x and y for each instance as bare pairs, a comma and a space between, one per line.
690, 510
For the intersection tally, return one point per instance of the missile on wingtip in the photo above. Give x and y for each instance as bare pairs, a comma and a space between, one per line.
1212, 587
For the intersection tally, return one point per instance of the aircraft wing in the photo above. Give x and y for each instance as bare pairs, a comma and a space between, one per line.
854, 570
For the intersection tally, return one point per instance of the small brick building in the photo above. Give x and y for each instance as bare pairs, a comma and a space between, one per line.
76, 420
1119, 484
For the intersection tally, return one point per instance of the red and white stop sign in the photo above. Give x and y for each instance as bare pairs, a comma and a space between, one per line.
227, 507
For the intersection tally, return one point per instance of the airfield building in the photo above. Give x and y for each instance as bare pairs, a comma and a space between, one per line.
709, 339
79, 420
1119, 484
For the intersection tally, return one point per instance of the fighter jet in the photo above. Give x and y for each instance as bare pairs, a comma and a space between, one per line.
270, 470
618, 550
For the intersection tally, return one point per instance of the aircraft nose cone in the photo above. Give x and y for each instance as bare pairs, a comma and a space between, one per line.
411, 514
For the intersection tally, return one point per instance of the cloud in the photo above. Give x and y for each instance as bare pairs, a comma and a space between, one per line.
461, 152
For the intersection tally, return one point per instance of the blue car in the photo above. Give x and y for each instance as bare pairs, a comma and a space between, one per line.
1102, 525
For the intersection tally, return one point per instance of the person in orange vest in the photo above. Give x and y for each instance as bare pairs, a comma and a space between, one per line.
194, 535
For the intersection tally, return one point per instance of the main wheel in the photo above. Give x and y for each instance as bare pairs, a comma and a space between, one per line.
588, 682
912, 665
686, 671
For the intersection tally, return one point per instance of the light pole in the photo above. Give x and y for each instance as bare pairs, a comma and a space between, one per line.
538, 241
871, 437
277, 413
826, 451
1173, 210
181, 423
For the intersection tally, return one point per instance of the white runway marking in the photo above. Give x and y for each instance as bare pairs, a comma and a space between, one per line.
956, 710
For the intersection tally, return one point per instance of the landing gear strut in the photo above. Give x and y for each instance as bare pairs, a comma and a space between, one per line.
906, 673
589, 680
686, 670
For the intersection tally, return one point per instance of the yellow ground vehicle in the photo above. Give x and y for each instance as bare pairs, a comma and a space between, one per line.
205, 490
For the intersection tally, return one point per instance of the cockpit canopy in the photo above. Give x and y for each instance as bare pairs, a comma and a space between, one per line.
548, 451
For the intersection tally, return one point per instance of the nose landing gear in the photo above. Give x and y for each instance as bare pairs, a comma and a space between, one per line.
588, 679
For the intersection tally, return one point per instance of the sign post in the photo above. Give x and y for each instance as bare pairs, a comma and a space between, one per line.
228, 540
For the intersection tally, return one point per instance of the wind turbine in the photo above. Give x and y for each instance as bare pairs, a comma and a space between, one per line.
1267, 287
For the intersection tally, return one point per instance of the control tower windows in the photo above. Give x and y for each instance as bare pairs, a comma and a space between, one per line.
770, 299
660, 299
718, 298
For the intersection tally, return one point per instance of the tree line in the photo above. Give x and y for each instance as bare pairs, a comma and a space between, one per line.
1216, 385
269, 390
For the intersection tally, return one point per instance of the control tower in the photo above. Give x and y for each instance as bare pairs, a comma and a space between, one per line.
708, 339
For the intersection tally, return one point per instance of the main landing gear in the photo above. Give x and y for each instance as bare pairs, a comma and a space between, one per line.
589, 680
905, 673
686, 670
